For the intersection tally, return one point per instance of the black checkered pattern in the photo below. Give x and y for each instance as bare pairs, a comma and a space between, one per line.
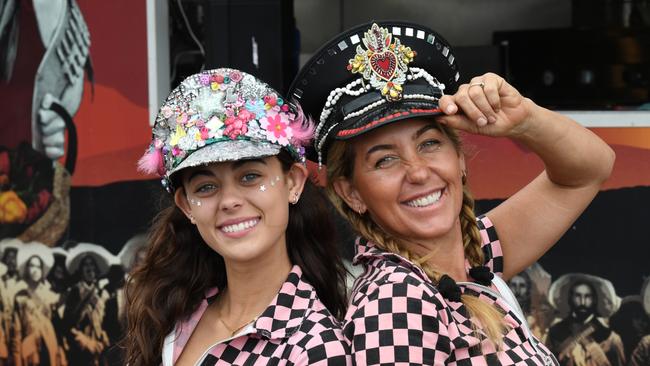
398, 317
296, 329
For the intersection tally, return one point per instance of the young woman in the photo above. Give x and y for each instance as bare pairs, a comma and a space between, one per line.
396, 171
241, 268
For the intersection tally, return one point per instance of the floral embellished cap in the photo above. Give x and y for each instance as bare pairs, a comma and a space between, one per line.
222, 115
373, 74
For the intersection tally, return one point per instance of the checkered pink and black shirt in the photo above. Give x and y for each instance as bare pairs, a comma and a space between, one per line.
295, 329
398, 317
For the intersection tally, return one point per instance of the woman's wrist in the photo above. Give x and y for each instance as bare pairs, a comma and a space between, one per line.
533, 125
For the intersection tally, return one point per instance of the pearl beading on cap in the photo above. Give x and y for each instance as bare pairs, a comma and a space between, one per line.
421, 96
365, 109
335, 95
417, 73
319, 148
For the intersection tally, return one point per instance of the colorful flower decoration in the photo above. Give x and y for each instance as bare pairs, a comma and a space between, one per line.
277, 127
222, 105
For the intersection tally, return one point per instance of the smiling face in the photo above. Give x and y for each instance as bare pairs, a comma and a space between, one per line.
241, 208
408, 176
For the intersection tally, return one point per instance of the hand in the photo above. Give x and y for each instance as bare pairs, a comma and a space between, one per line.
579, 356
52, 128
488, 105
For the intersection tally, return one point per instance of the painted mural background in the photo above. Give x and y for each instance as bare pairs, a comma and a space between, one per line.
74, 210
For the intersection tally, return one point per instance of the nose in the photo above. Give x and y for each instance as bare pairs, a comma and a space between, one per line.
582, 301
416, 170
231, 198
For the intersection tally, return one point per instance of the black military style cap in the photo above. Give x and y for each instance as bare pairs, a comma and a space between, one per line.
373, 74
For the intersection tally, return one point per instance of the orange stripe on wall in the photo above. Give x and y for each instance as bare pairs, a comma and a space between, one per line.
113, 133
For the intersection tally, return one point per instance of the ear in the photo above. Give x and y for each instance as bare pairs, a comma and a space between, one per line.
181, 201
463, 167
344, 189
296, 178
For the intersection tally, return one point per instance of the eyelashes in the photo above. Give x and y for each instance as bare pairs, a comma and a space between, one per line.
427, 146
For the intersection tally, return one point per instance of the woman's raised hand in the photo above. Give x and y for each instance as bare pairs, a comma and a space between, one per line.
488, 105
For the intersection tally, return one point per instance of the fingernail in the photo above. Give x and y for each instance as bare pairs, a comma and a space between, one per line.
482, 121
451, 108
492, 119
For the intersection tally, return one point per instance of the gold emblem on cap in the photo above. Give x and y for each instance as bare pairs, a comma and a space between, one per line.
384, 62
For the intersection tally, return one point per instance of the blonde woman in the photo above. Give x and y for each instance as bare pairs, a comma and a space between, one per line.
389, 108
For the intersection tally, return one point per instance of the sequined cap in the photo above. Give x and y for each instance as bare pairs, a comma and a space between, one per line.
373, 74
223, 115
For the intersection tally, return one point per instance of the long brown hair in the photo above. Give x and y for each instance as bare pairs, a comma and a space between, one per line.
340, 163
180, 267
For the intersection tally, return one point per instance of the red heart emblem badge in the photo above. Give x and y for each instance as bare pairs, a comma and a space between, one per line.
384, 64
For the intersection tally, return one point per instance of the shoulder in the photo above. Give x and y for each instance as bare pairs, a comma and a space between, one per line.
320, 339
394, 293
558, 326
389, 270
400, 303
399, 322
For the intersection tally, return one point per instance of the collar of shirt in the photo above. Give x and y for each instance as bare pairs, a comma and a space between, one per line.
367, 251
284, 316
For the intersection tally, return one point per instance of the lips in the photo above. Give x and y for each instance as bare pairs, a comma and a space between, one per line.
425, 200
236, 226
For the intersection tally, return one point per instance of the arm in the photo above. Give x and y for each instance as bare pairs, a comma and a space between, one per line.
576, 162
398, 323
326, 349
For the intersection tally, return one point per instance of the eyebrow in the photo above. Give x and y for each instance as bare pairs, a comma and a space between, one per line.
240, 163
198, 172
424, 129
417, 134
378, 148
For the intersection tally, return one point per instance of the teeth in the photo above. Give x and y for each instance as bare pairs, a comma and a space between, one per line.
425, 201
239, 227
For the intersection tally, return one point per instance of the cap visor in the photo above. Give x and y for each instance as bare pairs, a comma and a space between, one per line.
222, 151
386, 114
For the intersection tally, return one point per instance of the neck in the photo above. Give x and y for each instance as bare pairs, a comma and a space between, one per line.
445, 254
252, 285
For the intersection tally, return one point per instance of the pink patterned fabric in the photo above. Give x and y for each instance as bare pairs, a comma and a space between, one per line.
398, 317
295, 329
